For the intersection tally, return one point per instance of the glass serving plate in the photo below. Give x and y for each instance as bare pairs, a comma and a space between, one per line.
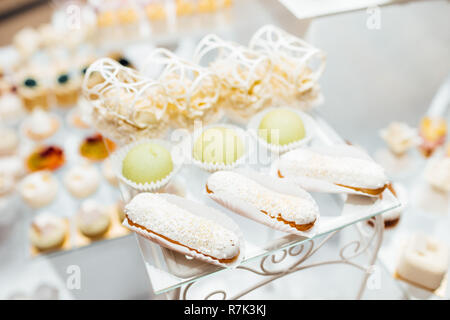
168, 270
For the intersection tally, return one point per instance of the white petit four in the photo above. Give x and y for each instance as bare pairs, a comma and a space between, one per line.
39, 189
93, 219
424, 261
82, 180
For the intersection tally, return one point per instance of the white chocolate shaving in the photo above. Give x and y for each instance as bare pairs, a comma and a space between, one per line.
289, 208
158, 215
343, 170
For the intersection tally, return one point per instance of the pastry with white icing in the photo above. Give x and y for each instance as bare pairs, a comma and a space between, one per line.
152, 216
400, 137
93, 219
39, 189
299, 213
318, 171
41, 125
424, 261
48, 232
82, 180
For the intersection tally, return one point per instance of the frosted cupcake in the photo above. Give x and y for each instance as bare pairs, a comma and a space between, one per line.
34, 94
39, 189
82, 180
40, 125
93, 219
48, 232
67, 89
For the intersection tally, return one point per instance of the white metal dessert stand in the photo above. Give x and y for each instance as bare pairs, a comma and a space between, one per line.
367, 243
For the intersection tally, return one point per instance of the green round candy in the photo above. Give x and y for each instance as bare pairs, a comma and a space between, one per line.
146, 163
281, 126
218, 145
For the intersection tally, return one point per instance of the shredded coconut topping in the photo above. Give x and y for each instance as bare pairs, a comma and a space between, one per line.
290, 208
158, 215
348, 171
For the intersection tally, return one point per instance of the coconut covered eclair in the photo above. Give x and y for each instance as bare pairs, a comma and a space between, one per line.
299, 213
158, 219
316, 171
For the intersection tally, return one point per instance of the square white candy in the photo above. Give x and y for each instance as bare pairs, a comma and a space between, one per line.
424, 261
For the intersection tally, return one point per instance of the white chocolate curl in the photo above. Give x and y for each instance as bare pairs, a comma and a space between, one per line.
192, 91
296, 65
126, 104
243, 73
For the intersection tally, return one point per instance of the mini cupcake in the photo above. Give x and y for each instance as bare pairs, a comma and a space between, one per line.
45, 158
155, 11
9, 141
219, 147
48, 232
399, 137
40, 125
79, 117
109, 173
93, 219
82, 180
39, 189
96, 148
33, 94
120, 58
67, 89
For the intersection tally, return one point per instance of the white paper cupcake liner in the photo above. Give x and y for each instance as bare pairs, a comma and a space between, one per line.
322, 186
120, 154
203, 211
308, 122
246, 210
212, 167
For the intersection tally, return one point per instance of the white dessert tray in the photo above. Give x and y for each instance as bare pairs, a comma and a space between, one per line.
168, 270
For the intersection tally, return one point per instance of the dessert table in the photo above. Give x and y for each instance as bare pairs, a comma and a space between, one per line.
271, 257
